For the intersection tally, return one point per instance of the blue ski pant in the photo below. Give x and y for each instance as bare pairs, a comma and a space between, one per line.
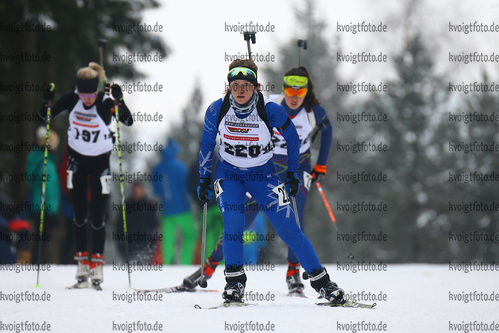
251, 208
233, 183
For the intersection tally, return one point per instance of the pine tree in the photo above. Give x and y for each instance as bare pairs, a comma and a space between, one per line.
71, 44
187, 133
414, 159
478, 104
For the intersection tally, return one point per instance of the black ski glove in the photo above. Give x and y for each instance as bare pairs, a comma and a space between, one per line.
205, 190
292, 183
117, 93
49, 93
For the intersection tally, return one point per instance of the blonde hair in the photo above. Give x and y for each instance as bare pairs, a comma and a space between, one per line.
91, 72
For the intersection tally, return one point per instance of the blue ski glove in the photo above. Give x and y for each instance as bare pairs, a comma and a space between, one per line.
205, 190
292, 183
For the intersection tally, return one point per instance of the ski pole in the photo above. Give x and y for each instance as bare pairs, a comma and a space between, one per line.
202, 281
102, 46
44, 181
326, 203
297, 218
122, 188
301, 43
250, 35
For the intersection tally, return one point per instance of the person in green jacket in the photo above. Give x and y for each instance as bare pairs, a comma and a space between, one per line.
34, 172
172, 191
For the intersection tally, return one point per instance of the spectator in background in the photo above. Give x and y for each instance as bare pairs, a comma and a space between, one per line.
8, 253
176, 208
20, 228
142, 227
34, 167
14, 228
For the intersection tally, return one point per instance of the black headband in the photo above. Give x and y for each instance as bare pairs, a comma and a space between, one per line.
85, 86
242, 73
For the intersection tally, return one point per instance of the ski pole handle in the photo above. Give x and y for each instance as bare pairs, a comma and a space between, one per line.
250, 36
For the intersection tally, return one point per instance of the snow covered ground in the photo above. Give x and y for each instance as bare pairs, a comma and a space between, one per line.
417, 299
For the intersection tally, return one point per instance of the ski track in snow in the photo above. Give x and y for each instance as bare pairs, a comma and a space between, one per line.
417, 301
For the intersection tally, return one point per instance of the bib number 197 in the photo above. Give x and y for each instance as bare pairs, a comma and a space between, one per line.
87, 135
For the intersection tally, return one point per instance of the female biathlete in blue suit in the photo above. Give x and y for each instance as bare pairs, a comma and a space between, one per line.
245, 121
303, 108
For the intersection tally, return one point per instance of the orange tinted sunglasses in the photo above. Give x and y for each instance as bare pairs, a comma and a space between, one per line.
295, 92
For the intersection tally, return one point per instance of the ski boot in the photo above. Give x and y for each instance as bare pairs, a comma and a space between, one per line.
96, 272
295, 286
82, 271
192, 281
236, 282
319, 280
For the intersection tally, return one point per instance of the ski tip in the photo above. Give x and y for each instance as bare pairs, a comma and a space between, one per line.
348, 304
225, 305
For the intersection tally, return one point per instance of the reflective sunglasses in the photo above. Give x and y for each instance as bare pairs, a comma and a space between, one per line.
243, 70
295, 92
83, 96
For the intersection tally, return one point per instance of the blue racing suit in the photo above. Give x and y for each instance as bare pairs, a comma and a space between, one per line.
252, 170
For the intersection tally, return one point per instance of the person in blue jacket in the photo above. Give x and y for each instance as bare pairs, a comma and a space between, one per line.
176, 208
245, 121
304, 110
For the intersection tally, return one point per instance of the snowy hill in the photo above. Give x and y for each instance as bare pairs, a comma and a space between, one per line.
414, 298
